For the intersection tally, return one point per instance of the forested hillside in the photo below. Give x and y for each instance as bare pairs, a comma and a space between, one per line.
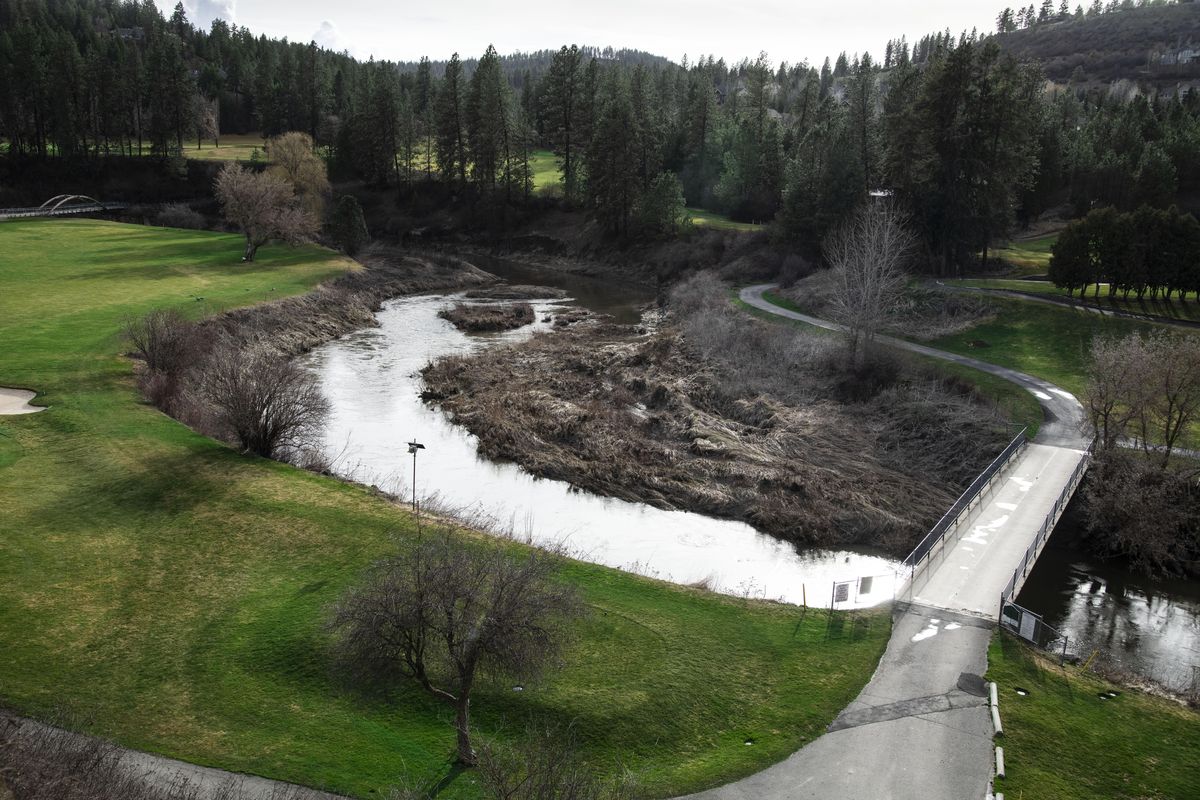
1154, 42
961, 133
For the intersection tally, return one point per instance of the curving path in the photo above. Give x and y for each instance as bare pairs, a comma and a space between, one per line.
173, 778
920, 729
1065, 302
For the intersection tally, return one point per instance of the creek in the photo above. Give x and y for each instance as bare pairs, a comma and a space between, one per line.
371, 378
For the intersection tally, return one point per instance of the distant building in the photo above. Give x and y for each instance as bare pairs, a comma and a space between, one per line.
1184, 55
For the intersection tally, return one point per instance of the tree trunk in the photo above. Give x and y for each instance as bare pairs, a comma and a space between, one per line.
251, 249
462, 725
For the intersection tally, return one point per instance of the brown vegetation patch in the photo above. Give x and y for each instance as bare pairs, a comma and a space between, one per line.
488, 318
719, 413
921, 312
517, 292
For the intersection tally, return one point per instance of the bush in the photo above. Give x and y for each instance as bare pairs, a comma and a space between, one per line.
178, 215
164, 339
270, 406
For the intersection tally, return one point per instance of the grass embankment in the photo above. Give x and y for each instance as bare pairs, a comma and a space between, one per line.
1063, 741
1015, 403
1173, 309
1027, 256
172, 591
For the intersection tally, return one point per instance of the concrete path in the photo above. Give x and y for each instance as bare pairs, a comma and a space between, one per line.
173, 778
920, 729
1067, 302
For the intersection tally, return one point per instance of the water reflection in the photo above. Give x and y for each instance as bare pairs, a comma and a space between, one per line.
371, 380
1146, 625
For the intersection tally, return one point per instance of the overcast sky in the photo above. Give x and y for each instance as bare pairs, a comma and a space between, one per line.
402, 30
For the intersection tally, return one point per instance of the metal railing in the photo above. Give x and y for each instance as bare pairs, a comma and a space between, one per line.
1029, 626
1035, 548
88, 208
917, 559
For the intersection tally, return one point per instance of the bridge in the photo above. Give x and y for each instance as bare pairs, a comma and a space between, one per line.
920, 728
63, 205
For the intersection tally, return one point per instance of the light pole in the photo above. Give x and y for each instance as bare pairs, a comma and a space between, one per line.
413, 447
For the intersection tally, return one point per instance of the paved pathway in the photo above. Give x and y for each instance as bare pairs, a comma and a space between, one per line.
920, 729
1070, 302
173, 778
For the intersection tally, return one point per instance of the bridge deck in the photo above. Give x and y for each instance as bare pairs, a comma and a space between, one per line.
970, 573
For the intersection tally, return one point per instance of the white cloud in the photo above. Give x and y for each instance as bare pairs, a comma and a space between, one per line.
203, 12
329, 37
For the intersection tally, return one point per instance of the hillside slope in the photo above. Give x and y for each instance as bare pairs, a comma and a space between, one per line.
1118, 45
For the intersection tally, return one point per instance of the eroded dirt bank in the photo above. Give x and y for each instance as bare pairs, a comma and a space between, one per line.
715, 412
295, 325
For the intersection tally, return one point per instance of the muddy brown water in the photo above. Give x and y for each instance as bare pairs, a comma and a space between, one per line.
372, 379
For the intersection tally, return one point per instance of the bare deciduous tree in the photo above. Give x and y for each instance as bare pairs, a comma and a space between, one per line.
1145, 386
294, 158
272, 407
1116, 387
163, 338
264, 207
867, 255
443, 610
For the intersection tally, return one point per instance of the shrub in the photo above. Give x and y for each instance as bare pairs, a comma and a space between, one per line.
269, 405
178, 215
164, 339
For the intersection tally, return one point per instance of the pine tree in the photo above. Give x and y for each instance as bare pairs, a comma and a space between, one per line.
451, 138
564, 110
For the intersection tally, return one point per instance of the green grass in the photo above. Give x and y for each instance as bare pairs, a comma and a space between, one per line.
171, 593
720, 222
1027, 256
544, 165
233, 147
1018, 405
1063, 741
1047, 341
1174, 309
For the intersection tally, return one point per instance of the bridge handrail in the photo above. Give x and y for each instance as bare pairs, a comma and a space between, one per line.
1031, 552
951, 518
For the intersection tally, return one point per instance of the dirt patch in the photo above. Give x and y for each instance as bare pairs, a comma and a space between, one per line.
488, 318
16, 401
718, 413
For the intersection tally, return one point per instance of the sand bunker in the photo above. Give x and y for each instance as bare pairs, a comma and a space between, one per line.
16, 401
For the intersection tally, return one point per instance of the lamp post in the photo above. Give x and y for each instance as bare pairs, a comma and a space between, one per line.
413, 447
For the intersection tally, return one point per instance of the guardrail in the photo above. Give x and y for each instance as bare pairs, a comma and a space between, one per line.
916, 560
20, 213
1035, 548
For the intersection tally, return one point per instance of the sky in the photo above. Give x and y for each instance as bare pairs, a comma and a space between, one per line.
403, 30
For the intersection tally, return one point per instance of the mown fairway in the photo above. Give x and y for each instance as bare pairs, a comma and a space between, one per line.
170, 592
1047, 341
1062, 740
